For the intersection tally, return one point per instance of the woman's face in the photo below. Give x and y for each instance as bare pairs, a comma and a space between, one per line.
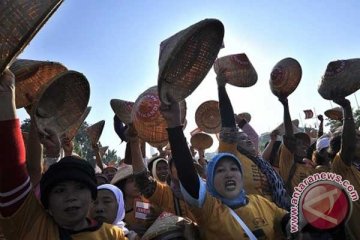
105, 207
162, 170
69, 203
227, 178
245, 143
130, 189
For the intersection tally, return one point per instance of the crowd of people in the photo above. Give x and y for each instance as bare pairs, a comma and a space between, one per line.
241, 193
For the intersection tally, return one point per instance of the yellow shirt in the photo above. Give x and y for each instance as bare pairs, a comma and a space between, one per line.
32, 222
261, 216
286, 161
163, 196
142, 215
255, 182
353, 176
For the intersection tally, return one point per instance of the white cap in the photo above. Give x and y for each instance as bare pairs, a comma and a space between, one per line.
322, 143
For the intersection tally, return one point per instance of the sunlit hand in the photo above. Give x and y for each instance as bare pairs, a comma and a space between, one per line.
7, 82
274, 134
171, 113
131, 133
51, 142
67, 145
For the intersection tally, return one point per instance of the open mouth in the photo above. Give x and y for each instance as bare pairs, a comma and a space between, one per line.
71, 210
230, 185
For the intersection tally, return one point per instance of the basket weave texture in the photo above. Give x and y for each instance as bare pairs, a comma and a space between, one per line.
72, 130
31, 76
94, 131
201, 141
20, 20
62, 102
147, 119
207, 117
341, 79
236, 69
285, 77
186, 58
166, 222
122, 109
335, 113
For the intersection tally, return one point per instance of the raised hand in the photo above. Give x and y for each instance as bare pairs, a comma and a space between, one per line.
171, 113
7, 82
320, 117
343, 102
51, 143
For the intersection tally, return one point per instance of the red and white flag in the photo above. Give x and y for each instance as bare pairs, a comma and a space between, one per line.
308, 114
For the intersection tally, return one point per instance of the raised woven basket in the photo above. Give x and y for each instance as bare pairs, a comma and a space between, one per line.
285, 77
20, 20
236, 70
341, 79
201, 141
72, 130
62, 102
335, 113
31, 76
122, 109
207, 117
94, 131
147, 119
165, 223
186, 58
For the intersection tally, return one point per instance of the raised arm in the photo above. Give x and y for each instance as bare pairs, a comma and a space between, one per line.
321, 125
289, 133
226, 109
14, 180
180, 151
348, 138
34, 155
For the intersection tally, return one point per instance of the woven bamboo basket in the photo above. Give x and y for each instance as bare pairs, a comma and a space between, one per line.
123, 172
285, 77
335, 113
122, 109
147, 119
62, 102
102, 150
186, 58
94, 131
207, 117
341, 79
201, 141
20, 21
31, 76
166, 223
236, 69
72, 130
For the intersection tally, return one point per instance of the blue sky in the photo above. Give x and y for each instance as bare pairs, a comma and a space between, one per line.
115, 44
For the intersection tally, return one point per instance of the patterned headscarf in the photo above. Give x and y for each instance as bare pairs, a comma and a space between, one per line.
241, 199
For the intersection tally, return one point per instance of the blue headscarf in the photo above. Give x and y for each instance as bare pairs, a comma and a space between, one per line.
240, 200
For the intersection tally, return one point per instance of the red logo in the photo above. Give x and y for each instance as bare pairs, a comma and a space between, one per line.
325, 205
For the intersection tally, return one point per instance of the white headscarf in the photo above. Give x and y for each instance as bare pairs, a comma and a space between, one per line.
153, 170
121, 207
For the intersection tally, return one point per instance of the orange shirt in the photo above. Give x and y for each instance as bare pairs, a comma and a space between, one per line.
163, 196
255, 182
286, 161
141, 216
351, 174
32, 222
261, 216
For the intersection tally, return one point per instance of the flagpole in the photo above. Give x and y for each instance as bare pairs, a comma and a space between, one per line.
331, 104
316, 118
357, 104
301, 120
